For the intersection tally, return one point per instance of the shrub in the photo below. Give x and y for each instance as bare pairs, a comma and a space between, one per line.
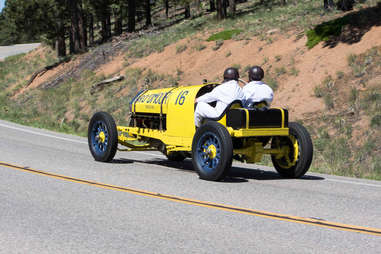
375, 121
353, 95
339, 74
181, 48
237, 66
328, 100
280, 71
218, 45
199, 47
318, 91
294, 71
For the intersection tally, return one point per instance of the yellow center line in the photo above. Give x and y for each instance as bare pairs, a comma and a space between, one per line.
275, 216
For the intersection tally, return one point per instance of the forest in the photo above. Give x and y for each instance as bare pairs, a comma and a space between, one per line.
71, 26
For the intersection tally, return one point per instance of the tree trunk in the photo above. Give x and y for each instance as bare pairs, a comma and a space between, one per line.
131, 16
60, 42
91, 29
187, 11
166, 3
221, 9
212, 5
81, 28
232, 7
345, 5
71, 41
104, 29
118, 23
108, 25
225, 4
197, 4
75, 25
328, 4
148, 12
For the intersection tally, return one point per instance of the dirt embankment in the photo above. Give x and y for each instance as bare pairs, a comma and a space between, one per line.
297, 70
305, 69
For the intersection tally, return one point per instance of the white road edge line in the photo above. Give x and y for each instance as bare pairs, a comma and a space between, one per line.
357, 183
61, 138
41, 134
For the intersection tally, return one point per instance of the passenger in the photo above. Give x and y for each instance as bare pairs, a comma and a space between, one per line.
257, 91
223, 94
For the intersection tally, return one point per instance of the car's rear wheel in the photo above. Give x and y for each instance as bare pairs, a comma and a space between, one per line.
212, 151
297, 152
102, 137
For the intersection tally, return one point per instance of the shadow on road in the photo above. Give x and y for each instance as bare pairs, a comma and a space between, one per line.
236, 174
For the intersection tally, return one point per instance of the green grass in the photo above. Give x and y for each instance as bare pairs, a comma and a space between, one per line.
224, 35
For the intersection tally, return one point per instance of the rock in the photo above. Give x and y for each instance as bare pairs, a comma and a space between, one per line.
272, 31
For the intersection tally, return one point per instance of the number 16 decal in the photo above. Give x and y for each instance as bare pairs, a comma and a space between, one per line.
181, 98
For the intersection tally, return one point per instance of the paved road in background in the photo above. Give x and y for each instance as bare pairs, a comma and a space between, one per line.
6, 51
41, 212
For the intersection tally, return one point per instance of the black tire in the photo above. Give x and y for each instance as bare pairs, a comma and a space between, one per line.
212, 166
301, 159
105, 150
176, 156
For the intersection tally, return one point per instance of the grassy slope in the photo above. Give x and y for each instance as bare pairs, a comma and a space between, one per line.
68, 107
347, 134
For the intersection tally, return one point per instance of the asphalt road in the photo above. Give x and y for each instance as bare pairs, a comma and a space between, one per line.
6, 51
54, 198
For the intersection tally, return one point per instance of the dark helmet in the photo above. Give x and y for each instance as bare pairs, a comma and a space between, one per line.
231, 74
256, 73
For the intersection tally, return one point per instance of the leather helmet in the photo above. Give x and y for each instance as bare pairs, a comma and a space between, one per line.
256, 73
231, 74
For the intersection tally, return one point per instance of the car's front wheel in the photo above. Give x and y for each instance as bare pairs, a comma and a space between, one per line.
102, 137
212, 151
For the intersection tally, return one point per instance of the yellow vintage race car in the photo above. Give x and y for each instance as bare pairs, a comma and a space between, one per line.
163, 120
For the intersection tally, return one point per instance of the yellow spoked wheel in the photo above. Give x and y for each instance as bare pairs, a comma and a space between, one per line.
296, 152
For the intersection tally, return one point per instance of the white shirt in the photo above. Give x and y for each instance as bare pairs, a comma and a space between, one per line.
224, 94
257, 91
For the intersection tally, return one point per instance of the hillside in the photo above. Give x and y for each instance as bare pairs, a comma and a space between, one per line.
334, 88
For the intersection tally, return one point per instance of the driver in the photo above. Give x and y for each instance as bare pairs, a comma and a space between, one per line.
257, 91
223, 94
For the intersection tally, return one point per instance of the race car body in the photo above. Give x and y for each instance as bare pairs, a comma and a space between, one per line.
163, 119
